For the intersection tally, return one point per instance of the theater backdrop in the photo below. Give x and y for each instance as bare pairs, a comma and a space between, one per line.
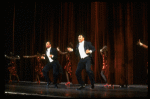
28, 25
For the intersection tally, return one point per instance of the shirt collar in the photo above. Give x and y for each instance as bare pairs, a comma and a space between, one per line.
48, 48
81, 42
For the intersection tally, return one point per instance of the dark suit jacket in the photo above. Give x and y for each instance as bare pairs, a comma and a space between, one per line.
87, 45
53, 51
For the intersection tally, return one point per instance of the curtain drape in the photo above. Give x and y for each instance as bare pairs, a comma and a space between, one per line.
116, 25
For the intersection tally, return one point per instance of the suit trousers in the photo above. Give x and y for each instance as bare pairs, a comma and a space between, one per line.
85, 64
51, 65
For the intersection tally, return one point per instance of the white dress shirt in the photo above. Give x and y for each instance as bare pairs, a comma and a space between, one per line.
48, 54
82, 50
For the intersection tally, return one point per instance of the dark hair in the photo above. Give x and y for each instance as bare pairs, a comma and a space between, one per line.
48, 41
82, 35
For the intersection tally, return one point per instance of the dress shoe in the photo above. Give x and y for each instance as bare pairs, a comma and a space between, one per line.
81, 87
92, 86
48, 83
84, 85
56, 86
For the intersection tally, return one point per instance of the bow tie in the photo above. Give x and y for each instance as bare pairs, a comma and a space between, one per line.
49, 49
81, 43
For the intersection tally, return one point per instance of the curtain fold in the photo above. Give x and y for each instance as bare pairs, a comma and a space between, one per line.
117, 25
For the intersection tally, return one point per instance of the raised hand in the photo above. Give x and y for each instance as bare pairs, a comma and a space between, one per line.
42, 57
69, 49
51, 55
139, 42
88, 51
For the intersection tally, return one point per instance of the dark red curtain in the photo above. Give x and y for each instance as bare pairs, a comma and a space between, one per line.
117, 25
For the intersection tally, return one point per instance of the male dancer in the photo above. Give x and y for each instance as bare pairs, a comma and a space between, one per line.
85, 50
52, 62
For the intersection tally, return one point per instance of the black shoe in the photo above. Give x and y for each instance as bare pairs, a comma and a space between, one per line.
48, 83
81, 87
92, 86
84, 85
56, 86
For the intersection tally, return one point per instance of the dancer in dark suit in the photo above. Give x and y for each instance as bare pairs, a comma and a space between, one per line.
85, 50
52, 63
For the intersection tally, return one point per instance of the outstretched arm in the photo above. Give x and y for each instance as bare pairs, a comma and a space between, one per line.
70, 49
61, 51
141, 44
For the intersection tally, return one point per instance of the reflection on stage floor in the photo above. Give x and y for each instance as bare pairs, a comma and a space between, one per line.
33, 89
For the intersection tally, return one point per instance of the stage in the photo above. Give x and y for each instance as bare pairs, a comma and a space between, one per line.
33, 89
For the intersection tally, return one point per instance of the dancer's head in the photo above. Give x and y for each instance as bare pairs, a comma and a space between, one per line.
81, 38
48, 44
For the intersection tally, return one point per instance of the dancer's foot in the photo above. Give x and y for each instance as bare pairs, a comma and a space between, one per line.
92, 86
81, 87
68, 83
38, 82
106, 85
56, 86
10, 81
48, 83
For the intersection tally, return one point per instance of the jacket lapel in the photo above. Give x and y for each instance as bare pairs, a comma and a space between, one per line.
77, 47
85, 46
51, 51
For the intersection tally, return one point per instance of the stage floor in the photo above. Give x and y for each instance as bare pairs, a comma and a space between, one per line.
33, 89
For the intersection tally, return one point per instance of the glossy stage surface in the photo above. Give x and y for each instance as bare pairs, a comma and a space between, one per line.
33, 89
